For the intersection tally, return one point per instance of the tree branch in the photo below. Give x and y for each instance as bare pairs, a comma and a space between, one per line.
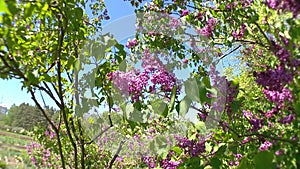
116, 154
56, 130
61, 34
228, 54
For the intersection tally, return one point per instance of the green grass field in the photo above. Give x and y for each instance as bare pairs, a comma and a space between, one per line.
13, 150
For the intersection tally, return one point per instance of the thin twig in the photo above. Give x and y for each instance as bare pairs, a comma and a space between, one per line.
116, 154
228, 54
100, 134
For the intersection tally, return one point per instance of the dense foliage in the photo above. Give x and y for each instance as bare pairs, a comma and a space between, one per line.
246, 119
26, 117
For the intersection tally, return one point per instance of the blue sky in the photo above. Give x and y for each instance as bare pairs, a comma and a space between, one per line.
119, 11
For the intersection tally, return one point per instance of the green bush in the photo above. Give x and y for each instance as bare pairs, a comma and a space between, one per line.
3, 165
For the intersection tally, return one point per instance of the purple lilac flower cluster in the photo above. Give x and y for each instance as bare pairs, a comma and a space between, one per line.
287, 119
265, 146
236, 162
278, 97
134, 82
282, 54
174, 23
231, 5
104, 15
286, 5
253, 120
168, 163
275, 81
36, 151
184, 12
227, 89
240, 34
192, 147
131, 43
49, 132
149, 161
232, 91
220, 83
208, 29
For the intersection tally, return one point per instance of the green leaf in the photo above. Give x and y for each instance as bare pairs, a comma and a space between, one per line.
244, 164
46, 77
183, 106
102, 99
31, 78
11, 5
158, 106
191, 90
200, 126
165, 113
206, 81
192, 163
132, 124
136, 116
123, 66
77, 65
263, 160
177, 150
254, 18
138, 106
215, 162
235, 105
78, 13
29, 10
173, 96
202, 93
3, 7
45, 7
221, 151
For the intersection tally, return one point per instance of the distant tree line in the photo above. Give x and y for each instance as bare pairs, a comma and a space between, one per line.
25, 116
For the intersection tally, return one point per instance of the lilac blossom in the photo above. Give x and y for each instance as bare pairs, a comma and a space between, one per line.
169, 164
265, 146
282, 54
239, 34
279, 152
154, 75
184, 12
274, 79
192, 147
131, 43
273, 3
286, 5
238, 156
256, 124
278, 97
175, 23
150, 161
287, 119
246, 140
227, 91
253, 120
185, 61
208, 29
271, 113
